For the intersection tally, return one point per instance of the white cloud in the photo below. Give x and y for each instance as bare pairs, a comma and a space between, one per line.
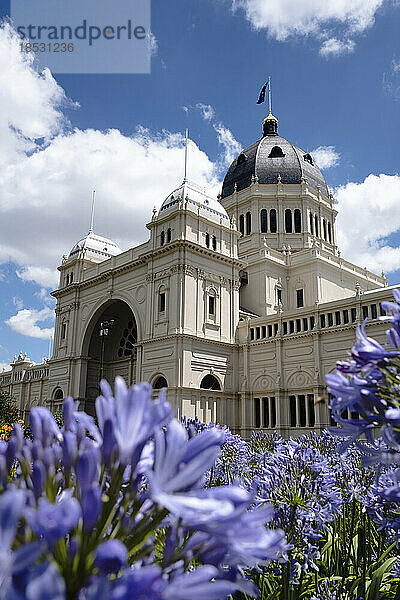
391, 79
42, 275
323, 19
18, 302
369, 212
325, 156
5, 367
335, 47
225, 137
26, 322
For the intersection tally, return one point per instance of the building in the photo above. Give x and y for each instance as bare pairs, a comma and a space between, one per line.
239, 306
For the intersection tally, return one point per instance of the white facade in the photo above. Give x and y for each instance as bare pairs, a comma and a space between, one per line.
240, 306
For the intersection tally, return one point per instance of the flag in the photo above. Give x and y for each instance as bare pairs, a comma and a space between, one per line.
262, 93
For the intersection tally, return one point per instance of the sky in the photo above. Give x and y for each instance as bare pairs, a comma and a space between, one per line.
335, 71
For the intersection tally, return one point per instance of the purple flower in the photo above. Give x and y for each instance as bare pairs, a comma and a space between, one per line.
110, 557
53, 521
367, 351
44, 428
88, 469
91, 506
198, 585
38, 477
45, 583
139, 584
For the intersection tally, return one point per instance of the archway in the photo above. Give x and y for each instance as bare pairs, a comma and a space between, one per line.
209, 382
111, 341
160, 383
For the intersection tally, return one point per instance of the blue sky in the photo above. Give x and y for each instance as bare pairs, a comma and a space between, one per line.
336, 84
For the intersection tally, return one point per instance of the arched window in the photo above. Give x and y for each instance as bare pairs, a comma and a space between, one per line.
162, 238
316, 225
214, 242
241, 159
160, 383
311, 224
169, 234
241, 224
272, 220
59, 395
329, 233
248, 223
308, 158
297, 221
276, 152
162, 300
288, 220
263, 219
207, 240
324, 228
209, 382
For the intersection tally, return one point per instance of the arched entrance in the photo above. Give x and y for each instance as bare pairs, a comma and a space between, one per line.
112, 338
210, 382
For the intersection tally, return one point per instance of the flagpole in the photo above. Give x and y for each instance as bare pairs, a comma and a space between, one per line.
186, 151
269, 95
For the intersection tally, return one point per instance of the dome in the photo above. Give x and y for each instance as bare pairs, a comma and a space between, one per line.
195, 196
95, 247
269, 158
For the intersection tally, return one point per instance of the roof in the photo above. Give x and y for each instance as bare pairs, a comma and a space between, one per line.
195, 195
286, 160
95, 247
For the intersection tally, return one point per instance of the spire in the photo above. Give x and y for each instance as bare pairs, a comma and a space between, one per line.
270, 124
92, 213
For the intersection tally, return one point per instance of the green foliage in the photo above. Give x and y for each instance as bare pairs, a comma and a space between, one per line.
8, 409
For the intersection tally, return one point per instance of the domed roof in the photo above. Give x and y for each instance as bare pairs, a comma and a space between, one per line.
267, 159
195, 195
95, 247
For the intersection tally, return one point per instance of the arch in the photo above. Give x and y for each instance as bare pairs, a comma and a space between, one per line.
263, 221
297, 221
288, 221
58, 394
273, 224
160, 382
210, 382
300, 379
248, 223
241, 224
241, 159
263, 383
276, 152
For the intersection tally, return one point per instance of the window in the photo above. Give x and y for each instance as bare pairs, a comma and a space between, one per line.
311, 224
71, 278
302, 407
263, 331
288, 220
67, 281
252, 333
298, 325
63, 331
162, 238
365, 312
291, 326
257, 413
161, 302
169, 234
209, 382
211, 306
278, 296
276, 152
269, 330
265, 402
300, 298
248, 223
316, 225
263, 219
308, 158
59, 395
214, 242
273, 412
297, 221
305, 324
272, 220
323, 321
312, 322
374, 312
329, 233
275, 328
311, 410
241, 159
258, 333
353, 315
330, 319
345, 316
241, 224
337, 318
285, 329
292, 406
381, 311
324, 228
160, 383
207, 240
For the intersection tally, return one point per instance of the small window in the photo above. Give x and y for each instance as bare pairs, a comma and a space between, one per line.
278, 296
300, 298
293, 416
353, 315
241, 224
330, 320
288, 220
329, 233
248, 223
324, 228
298, 325
273, 412
276, 152
71, 278
257, 413
345, 316
374, 312
311, 224
263, 331
297, 221
305, 324
211, 306
263, 219
285, 329
311, 409
312, 322
207, 240
210, 382
323, 321
242, 158
67, 280
272, 220
59, 395
160, 383
63, 331
269, 330
291, 326
265, 402
162, 238
316, 225
168, 234
275, 328
258, 333
214, 242
365, 312
308, 158
302, 410
337, 318
252, 333
161, 302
